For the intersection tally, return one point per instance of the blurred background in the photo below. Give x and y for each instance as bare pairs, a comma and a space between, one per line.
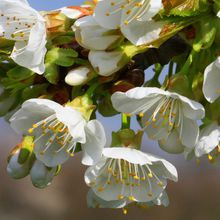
195, 197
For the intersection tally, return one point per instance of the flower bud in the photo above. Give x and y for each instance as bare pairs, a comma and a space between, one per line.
19, 162
41, 176
79, 76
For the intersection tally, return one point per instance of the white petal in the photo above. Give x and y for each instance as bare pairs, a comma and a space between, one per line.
33, 54
189, 133
107, 15
142, 32
208, 140
95, 141
94, 201
172, 144
88, 33
106, 63
211, 82
163, 199
32, 111
131, 155
135, 100
53, 156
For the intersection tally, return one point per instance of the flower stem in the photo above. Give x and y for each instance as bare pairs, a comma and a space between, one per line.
91, 89
125, 121
170, 72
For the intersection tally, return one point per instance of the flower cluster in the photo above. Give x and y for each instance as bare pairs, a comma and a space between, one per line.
60, 69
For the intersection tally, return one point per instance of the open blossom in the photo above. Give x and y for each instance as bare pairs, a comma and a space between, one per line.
129, 174
57, 130
134, 18
24, 25
208, 143
166, 116
211, 84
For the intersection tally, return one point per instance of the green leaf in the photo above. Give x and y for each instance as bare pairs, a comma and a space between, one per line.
19, 73
63, 40
52, 73
6, 102
206, 32
34, 91
61, 57
185, 8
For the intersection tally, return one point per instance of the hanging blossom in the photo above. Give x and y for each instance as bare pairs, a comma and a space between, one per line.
208, 143
24, 25
57, 130
211, 84
166, 116
133, 17
129, 174
93, 201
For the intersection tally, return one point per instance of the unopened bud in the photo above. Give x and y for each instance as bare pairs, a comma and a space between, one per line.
42, 176
19, 161
79, 76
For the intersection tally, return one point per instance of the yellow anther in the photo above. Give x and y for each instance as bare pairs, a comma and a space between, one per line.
108, 182
218, 149
141, 115
143, 178
112, 3
131, 198
35, 125
100, 189
210, 157
107, 14
51, 140
136, 177
125, 211
30, 130
150, 175
154, 119
160, 184
120, 197
126, 22
72, 154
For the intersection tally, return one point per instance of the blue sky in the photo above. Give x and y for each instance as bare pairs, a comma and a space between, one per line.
52, 4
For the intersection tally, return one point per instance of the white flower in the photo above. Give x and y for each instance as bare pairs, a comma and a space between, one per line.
168, 117
208, 143
125, 173
134, 18
15, 169
41, 176
79, 76
57, 131
92, 36
24, 25
211, 84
